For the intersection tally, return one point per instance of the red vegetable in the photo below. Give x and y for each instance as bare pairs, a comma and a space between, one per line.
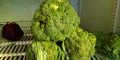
12, 31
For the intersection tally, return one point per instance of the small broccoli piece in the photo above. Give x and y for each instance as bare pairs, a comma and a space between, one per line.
92, 39
38, 32
80, 46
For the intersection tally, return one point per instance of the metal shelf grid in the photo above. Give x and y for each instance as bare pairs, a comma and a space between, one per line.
16, 50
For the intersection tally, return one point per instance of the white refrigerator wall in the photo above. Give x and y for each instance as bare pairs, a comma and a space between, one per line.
18, 10
97, 15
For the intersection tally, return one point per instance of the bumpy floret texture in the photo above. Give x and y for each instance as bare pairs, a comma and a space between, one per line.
56, 21
80, 46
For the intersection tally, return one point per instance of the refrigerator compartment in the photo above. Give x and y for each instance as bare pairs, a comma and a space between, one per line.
16, 50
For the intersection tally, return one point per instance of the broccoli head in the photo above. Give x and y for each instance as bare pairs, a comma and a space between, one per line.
55, 19
80, 46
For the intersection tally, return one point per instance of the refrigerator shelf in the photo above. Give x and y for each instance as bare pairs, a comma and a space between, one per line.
16, 50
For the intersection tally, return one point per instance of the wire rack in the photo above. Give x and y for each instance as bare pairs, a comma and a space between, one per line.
16, 50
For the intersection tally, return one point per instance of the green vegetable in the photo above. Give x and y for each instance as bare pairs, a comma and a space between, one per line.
45, 50
107, 45
56, 19
80, 46
57, 34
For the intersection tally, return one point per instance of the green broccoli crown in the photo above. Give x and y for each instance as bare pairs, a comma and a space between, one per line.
56, 18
